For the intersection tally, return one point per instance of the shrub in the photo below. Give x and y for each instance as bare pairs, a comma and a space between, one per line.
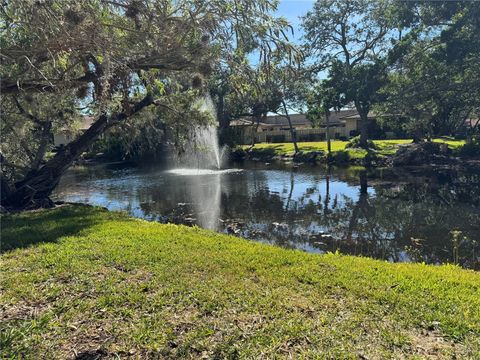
470, 149
355, 143
341, 157
112, 148
238, 154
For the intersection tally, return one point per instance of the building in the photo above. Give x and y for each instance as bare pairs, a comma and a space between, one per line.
275, 128
65, 135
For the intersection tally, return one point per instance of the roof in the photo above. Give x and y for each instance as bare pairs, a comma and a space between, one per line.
297, 119
356, 115
472, 122
301, 119
336, 117
243, 122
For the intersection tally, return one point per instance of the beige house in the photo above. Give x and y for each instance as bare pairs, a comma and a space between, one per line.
64, 136
275, 128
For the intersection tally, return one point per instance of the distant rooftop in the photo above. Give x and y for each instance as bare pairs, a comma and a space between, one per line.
297, 119
356, 115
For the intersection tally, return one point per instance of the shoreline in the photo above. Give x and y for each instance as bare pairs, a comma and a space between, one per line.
347, 157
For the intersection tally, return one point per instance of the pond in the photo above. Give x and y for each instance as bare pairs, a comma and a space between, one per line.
430, 216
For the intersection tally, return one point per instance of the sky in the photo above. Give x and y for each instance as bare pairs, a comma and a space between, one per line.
292, 10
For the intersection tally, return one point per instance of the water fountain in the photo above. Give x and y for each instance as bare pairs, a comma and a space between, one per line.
203, 161
203, 154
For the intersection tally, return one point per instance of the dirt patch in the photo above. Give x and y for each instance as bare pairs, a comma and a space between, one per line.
23, 311
432, 345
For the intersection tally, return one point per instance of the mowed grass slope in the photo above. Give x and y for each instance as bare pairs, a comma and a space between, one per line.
384, 147
84, 281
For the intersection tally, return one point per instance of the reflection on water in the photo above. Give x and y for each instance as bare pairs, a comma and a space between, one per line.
193, 172
396, 215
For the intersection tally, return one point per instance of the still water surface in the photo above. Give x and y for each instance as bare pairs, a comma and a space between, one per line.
397, 215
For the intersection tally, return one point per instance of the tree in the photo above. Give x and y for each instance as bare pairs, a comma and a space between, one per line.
246, 92
321, 100
281, 90
434, 79
293, 83
349, 37
122, 56
233, 83
288, 86
255, 89
27, 127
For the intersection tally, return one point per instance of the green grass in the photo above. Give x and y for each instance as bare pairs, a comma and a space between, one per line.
80, 280
452, 143
384, 147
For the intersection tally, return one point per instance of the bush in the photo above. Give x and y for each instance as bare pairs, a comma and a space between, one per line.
355, 143
470, 149
238, 154
112, 148
340, 157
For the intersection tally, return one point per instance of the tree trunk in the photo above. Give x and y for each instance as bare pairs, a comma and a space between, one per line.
472, 130
34, 190
255, 125
223, 122
292, 132
327, 193
364, 131
363, 182
46, 136
363, 125
418, 135
5, 189
327, 135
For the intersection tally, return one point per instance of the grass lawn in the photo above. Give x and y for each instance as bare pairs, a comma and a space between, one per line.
78, 281
384, 147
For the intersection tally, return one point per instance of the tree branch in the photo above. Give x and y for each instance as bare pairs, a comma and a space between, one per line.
26, 113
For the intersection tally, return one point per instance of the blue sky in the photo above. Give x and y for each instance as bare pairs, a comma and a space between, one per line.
292, 10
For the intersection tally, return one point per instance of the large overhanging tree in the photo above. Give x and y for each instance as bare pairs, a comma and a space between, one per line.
111, 59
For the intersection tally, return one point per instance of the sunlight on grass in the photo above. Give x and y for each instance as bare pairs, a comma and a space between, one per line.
384, 147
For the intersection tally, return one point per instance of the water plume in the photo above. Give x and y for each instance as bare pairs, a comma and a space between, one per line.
202, 161
203, 150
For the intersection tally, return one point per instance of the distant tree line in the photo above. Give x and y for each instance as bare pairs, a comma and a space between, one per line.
415, 63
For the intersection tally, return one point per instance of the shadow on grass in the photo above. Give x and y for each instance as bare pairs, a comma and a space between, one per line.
35, 227
310, 149
265, 152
